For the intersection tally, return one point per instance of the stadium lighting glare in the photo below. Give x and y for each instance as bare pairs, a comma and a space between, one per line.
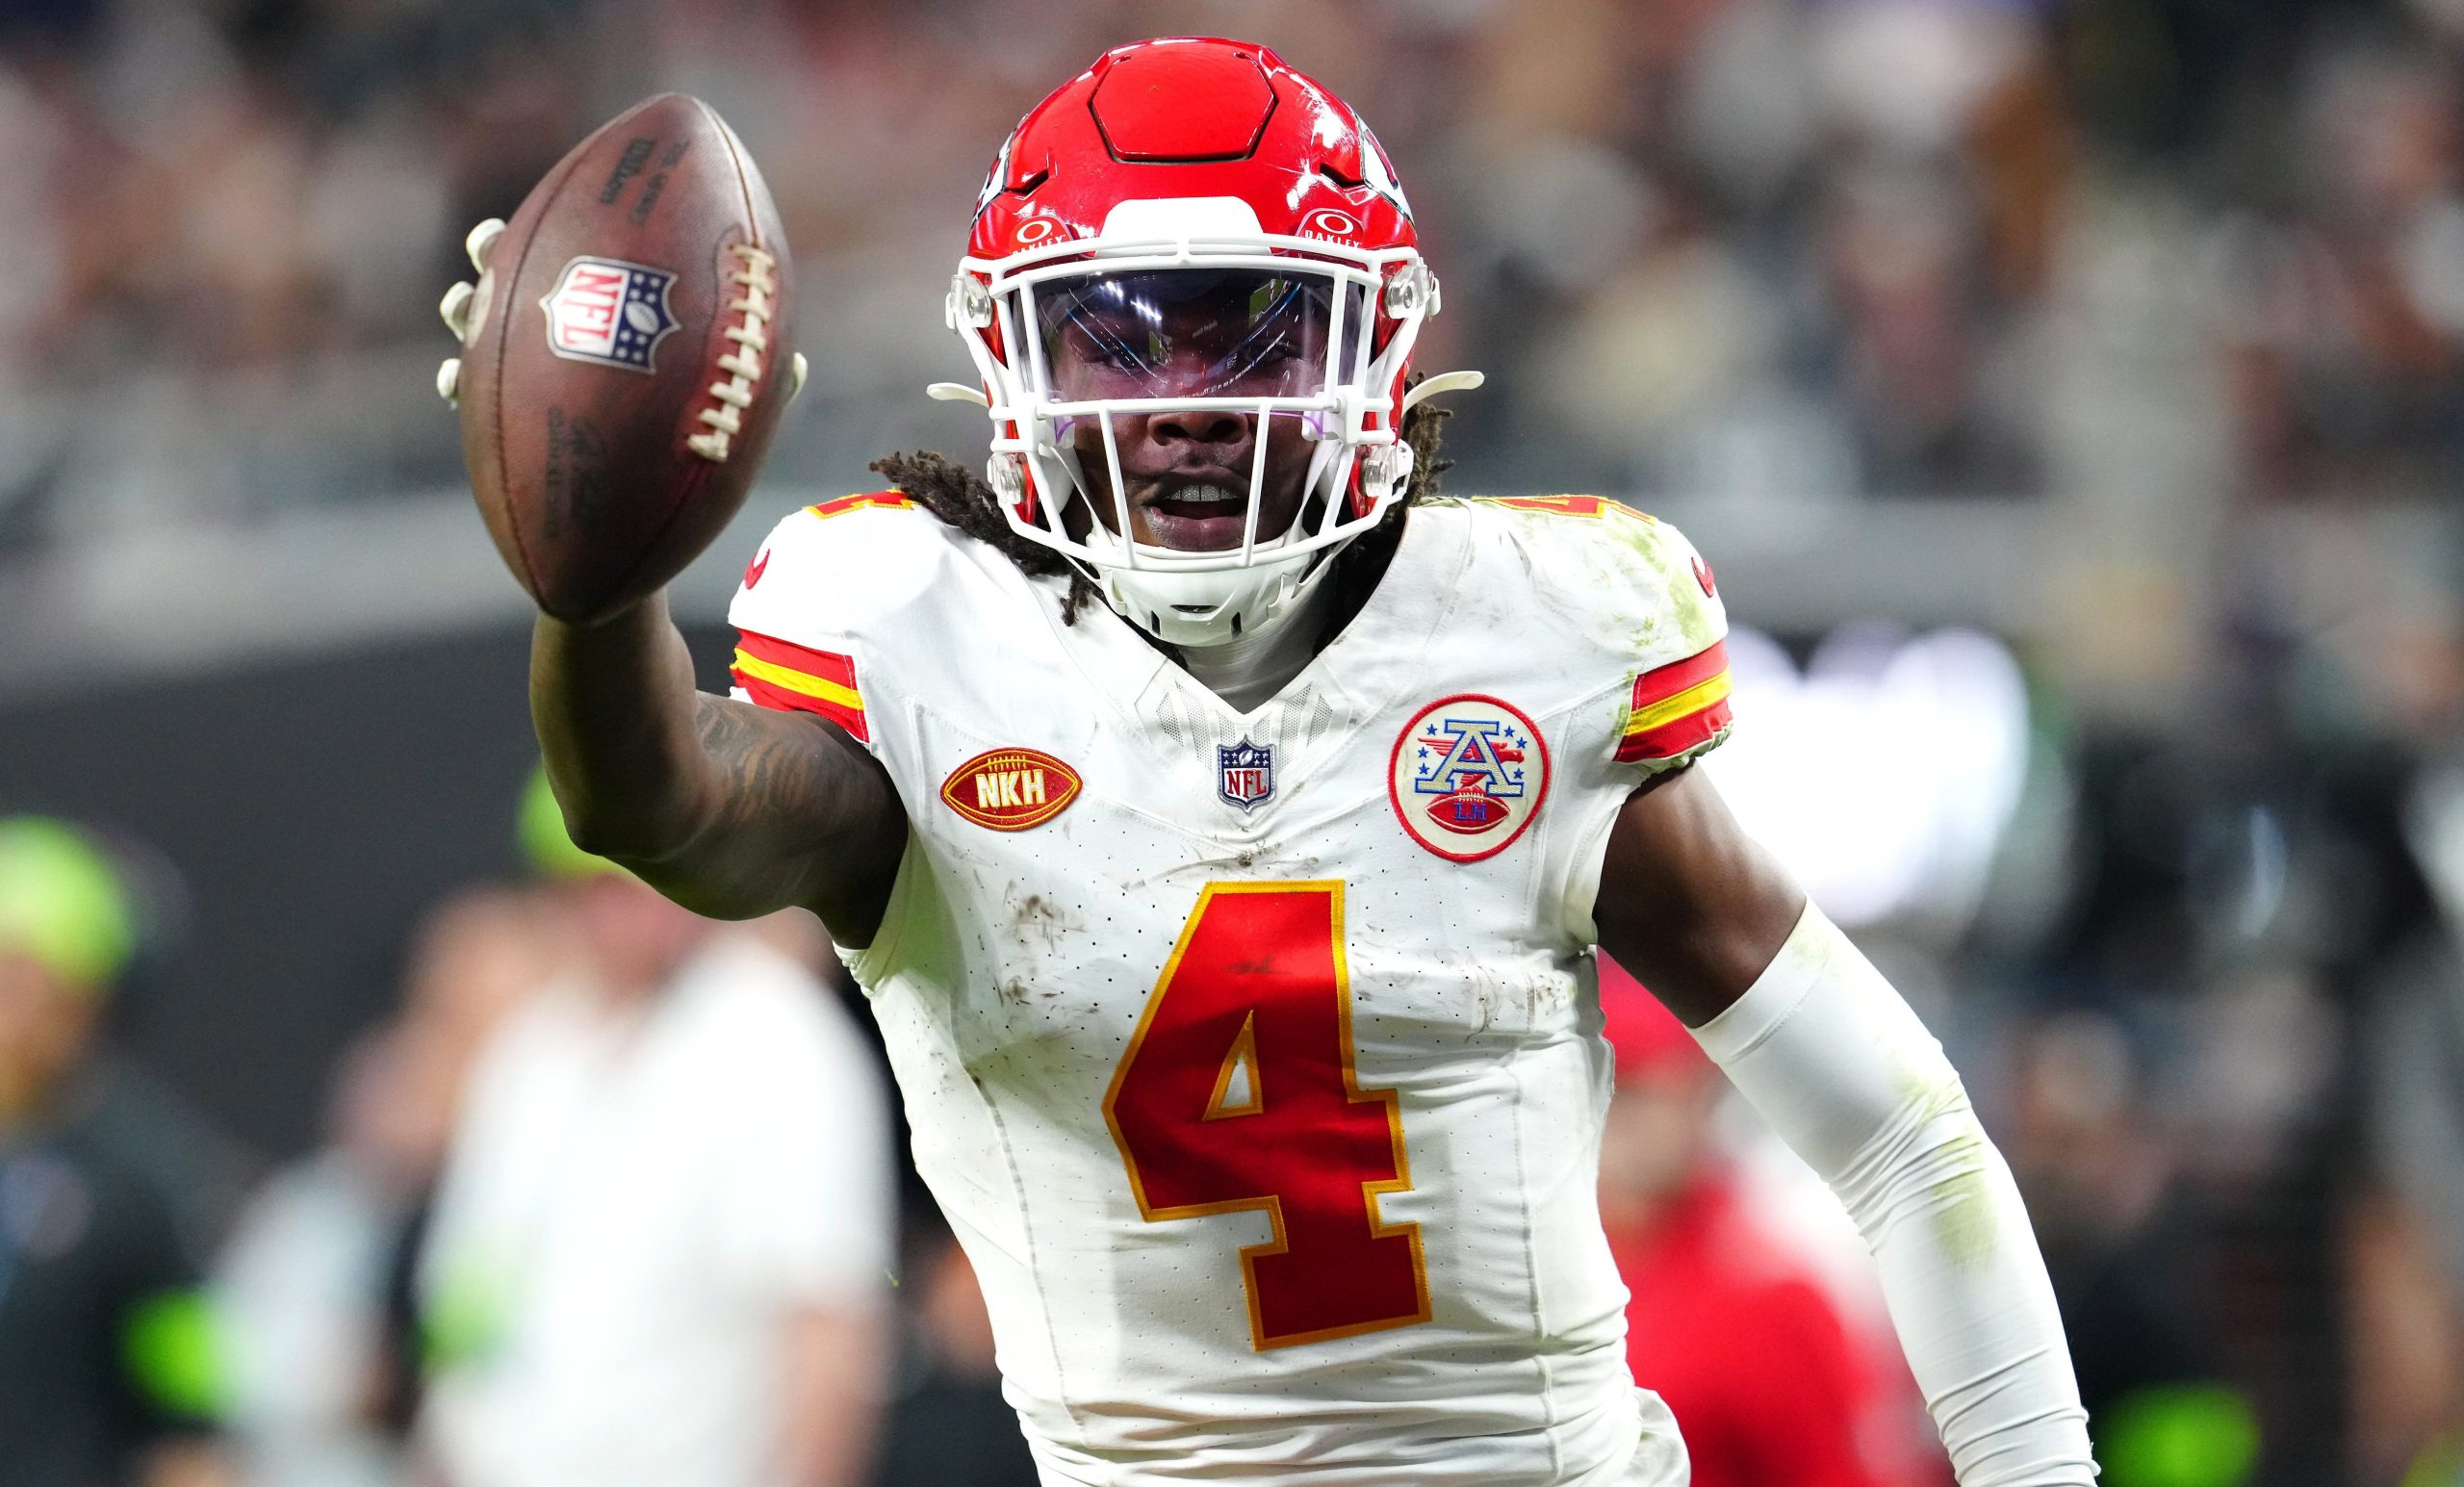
1884, 773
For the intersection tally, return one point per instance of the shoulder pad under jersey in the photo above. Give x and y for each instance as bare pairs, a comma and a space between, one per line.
1631, 587
827, 577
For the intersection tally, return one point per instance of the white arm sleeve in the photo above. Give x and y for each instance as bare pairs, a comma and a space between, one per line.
1841, 1068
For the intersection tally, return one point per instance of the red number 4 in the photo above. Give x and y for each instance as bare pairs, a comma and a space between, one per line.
1237, 1092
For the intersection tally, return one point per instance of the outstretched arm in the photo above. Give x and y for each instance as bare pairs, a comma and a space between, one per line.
729, 809
1848, 1076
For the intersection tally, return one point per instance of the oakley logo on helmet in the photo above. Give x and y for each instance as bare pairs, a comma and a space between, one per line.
1331, 224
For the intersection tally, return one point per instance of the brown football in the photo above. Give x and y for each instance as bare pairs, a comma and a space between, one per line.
625, 355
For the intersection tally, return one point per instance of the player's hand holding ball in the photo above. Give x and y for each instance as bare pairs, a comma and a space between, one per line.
625, 356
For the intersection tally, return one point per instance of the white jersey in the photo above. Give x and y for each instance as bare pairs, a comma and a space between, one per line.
1255, 1058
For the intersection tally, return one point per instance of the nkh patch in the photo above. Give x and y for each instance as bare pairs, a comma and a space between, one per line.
606, 310
1245, 774
1011, 790
1467, 776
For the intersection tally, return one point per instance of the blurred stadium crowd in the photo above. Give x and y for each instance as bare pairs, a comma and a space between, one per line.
2174, 285
1891, 247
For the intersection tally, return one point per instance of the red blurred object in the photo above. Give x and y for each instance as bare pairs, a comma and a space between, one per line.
1730, 1317
1749, 1351
1646, 1035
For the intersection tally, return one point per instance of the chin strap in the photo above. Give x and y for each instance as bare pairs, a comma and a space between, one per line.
1237, 601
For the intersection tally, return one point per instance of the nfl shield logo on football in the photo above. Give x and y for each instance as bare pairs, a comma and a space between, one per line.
1467, 776
610, 311
1245, 774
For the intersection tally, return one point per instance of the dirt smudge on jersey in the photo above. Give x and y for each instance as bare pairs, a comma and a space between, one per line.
1510, 1000
1040, 923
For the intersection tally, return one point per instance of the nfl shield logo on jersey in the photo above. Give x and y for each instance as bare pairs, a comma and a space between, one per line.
609, 312
1466, 775
1245, 774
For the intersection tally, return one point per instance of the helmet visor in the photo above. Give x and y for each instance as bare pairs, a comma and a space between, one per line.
1186, 333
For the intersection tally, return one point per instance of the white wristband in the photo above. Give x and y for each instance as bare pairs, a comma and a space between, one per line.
1823, 1047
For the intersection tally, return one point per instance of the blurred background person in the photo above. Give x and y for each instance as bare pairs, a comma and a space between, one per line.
110, 1195
313, 1288
300, 1293
2096, 1166
2404, 1239
664, 1234
1728, 1319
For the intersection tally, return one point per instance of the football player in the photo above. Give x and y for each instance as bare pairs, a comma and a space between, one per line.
1222, 824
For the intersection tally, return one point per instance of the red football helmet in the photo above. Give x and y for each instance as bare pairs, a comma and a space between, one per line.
1191, 228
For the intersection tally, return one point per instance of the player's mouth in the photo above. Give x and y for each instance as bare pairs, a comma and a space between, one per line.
1202, 517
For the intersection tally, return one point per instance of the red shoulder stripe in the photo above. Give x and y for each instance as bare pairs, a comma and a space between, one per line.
1668, 681
1562, 505
828, 665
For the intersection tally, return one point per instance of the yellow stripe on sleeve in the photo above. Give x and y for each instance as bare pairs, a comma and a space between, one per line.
1668, 710
795, 681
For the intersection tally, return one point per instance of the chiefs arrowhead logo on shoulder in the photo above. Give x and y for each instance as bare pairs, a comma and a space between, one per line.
1703, 576
754, 570
1011, 790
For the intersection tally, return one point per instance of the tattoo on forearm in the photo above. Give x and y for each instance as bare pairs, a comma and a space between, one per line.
780, 773
803, 815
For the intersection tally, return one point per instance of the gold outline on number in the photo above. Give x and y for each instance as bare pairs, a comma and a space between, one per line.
1244, 1057
1272, 1203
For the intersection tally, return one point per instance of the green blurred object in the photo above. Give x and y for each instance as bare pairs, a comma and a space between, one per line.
2441, 1465
464, 1322
62, 903
173, 1351
546, 844
2179, 1435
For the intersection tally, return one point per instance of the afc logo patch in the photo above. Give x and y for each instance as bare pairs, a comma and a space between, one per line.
1245, 774
1467, 776
610, 311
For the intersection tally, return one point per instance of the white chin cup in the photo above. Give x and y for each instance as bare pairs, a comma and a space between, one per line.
1208, 607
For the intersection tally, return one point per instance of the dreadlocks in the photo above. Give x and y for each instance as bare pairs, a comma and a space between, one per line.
960, 496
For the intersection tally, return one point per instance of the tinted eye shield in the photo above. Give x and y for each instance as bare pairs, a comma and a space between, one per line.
1258, 342
1185, 333
1107, 333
